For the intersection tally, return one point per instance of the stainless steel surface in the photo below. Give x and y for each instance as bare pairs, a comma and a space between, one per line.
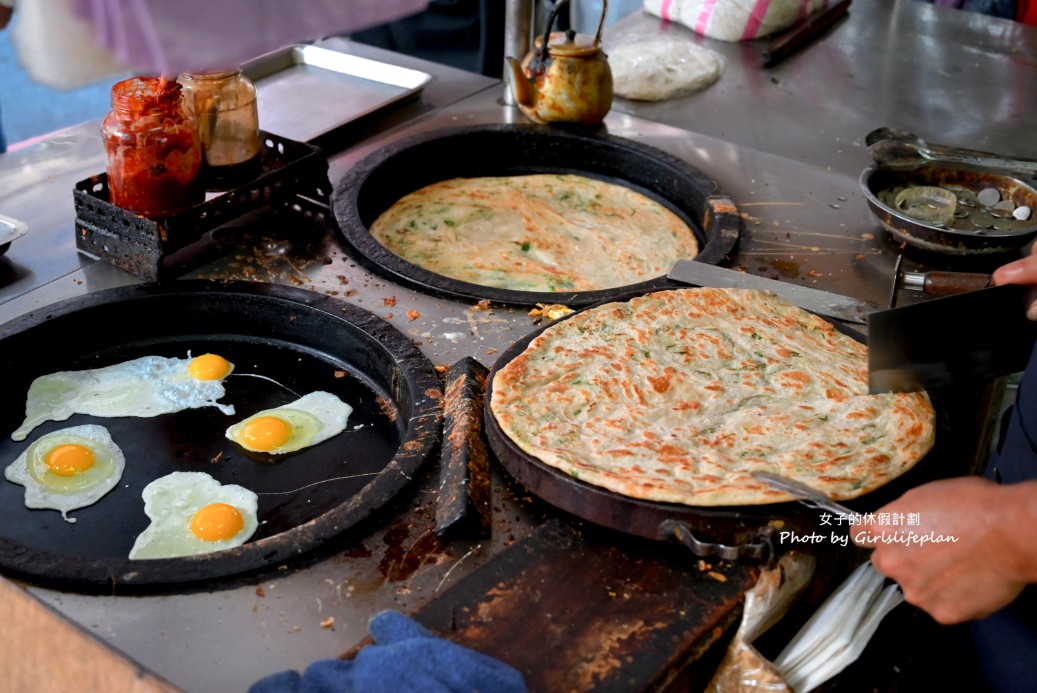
306, 91
787, 144
806, 494
960, 78
821, 302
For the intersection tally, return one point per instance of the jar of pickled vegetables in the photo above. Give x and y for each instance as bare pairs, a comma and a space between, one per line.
228, 120
152, 148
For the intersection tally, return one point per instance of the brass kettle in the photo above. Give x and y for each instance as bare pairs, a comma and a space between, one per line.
566, 78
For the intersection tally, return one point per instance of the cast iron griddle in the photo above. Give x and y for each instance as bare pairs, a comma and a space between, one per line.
374, 184
745, 530
299, 342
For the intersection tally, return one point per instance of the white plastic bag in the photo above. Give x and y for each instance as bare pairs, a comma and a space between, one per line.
56, 48
735, 20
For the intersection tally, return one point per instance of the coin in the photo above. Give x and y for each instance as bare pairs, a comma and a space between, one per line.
982, 219
988, 196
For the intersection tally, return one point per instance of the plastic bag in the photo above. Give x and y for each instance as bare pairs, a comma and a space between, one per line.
734, 20
56, 48
744, 669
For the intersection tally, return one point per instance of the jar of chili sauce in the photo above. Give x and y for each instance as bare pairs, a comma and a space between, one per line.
152, 147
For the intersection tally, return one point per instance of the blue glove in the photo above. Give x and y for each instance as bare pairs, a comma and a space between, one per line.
404, 657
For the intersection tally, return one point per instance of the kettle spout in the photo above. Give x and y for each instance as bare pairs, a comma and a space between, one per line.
522, 87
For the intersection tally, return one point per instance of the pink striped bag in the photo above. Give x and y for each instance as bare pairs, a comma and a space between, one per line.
734, 20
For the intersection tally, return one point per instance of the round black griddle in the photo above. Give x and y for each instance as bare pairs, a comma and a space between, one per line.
299, 342
731, 532
377, 182
744, 529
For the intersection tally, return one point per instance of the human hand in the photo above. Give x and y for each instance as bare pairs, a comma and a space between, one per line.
1021, 271
982, 549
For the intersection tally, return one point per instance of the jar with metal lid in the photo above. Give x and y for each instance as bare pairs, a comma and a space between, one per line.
152, 150
228, 120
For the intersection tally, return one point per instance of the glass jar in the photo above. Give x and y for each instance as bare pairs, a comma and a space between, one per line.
228, 119
153, 154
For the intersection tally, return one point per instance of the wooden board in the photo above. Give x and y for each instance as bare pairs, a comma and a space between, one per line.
592, 610
41, 651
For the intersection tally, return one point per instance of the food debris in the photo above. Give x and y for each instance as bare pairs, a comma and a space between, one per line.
442, 369
703, 566
259, 591
329, 622
717, 576
219, 456
551, 311
340, 374
389, 301
413, 314
482, 305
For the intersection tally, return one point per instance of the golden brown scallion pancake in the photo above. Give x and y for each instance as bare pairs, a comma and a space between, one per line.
541, 232
677, 396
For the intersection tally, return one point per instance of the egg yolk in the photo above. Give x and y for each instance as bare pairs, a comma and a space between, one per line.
69, 459
209, 367
216, 522
265, 433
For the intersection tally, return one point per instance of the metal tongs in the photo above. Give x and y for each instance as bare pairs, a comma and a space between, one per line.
804, 494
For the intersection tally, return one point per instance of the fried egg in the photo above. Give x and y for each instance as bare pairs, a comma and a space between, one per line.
192, 513
68, 469
309, 420
147, 386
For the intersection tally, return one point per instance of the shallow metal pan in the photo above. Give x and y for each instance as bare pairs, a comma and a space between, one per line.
302, 340
374, 184
938, 239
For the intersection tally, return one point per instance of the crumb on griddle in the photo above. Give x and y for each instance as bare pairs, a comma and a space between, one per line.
551, 311
413, 314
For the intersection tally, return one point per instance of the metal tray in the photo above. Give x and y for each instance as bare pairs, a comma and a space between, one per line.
307, 93
10, 229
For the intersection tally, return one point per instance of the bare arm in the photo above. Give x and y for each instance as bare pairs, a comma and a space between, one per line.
993, 555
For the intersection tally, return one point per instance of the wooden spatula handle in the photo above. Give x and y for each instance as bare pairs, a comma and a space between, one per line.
948, 283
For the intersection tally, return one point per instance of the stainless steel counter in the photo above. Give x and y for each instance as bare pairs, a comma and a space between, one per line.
786, 143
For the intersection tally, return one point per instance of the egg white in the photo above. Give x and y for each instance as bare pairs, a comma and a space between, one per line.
46, 490
147, 386
314, 418
172, 500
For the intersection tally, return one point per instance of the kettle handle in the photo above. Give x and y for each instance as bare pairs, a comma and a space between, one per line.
542, 58
601, 24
